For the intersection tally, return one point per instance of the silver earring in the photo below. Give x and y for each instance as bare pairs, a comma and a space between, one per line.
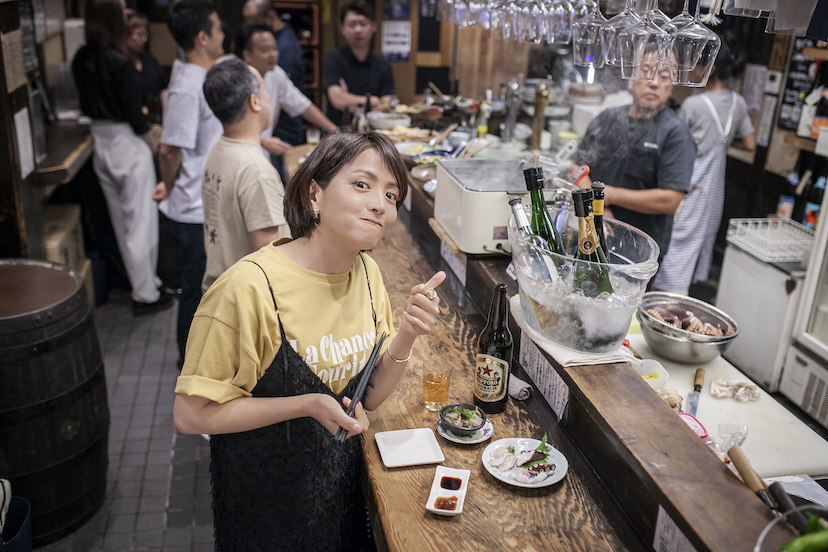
316, 215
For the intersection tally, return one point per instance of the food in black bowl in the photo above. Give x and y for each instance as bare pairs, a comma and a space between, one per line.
462, 419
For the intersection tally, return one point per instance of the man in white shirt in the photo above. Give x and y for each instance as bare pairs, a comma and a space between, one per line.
190, 131
241, 190
256, 44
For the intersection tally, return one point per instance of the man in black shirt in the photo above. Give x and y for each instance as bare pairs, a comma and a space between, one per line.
354, 71
644, 154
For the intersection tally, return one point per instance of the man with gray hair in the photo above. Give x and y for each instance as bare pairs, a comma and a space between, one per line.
241, 190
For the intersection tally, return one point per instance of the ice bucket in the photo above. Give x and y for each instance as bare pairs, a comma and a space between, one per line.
558, 310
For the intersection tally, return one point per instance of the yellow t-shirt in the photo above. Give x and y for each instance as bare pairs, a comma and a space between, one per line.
327, 319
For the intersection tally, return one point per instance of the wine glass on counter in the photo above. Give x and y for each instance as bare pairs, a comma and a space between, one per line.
694, 48
613, 27
587, 48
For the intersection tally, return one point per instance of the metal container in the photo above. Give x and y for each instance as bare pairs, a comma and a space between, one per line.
681, 345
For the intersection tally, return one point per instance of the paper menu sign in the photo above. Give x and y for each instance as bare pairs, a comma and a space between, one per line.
13, 59
543, 375
668, 537
25, 149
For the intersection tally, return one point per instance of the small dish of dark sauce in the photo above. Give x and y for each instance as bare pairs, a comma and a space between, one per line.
451, 483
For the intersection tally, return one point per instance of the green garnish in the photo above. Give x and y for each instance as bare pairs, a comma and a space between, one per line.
511, 448
544, 448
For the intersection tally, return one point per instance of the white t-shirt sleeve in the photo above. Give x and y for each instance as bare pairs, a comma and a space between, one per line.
288, 97
181, 118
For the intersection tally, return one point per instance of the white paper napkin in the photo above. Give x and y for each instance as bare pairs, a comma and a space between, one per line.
519, 389
568, 357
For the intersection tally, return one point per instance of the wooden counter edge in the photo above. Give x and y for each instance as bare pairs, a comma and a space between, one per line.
709, 503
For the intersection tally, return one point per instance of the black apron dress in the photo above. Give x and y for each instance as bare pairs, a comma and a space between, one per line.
288, 486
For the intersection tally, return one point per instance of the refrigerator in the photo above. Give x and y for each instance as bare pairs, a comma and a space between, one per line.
805, 374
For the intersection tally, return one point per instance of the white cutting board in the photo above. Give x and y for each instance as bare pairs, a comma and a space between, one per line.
778, 443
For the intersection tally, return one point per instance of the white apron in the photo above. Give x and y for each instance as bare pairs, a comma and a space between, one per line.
690, 253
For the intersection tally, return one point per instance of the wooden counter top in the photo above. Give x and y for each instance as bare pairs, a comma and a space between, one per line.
633, 463
68, 147
574, 514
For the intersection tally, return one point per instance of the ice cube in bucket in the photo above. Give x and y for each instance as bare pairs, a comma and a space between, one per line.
564, 315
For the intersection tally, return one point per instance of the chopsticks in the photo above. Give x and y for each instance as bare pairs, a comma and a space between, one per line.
442, 136
474, 147
436, 90
342, 433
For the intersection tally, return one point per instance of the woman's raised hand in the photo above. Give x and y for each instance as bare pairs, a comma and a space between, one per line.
330, 414
423, 306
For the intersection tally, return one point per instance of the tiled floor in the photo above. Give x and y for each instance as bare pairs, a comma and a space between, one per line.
158, 484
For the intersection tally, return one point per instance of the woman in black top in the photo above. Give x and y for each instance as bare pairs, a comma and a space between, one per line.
109, 91
152, 79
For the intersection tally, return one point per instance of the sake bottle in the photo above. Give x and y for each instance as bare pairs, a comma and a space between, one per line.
541, 221
533, 257
598, 213
494, 353
592, 279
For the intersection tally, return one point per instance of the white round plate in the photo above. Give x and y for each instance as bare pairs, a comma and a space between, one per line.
555, 456
482, 434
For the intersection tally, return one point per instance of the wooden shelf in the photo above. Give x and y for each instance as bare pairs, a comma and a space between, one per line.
816, 53
802, 143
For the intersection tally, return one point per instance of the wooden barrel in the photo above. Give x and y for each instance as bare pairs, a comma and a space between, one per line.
54, 416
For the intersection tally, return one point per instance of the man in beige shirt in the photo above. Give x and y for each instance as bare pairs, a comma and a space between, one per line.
241, 190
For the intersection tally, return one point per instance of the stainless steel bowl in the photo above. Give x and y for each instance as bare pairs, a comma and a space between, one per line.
686, 350
700, 308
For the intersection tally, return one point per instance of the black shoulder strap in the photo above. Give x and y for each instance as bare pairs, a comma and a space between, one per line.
270, 289
373, 312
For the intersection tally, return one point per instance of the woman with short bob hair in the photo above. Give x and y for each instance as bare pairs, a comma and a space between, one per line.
278, 345
324, 162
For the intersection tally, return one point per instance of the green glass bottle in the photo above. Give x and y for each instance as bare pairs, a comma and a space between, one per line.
592, 279
542, 224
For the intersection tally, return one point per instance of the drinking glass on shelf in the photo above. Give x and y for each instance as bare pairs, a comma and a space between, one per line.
642, 48
613, 27
659, 17
429, 8
694, 48
684, 18
532, 17
559, 18
436, 382
587, 49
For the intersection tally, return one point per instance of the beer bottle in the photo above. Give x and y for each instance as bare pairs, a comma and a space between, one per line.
591, 278
494, 353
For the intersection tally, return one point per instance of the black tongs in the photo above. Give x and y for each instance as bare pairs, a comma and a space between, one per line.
362, 387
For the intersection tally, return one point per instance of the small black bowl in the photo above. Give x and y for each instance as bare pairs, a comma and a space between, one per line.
461, 431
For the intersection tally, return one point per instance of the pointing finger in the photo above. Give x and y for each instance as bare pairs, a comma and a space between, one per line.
436, 280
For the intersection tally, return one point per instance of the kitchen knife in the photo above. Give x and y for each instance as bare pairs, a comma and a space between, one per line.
749, 475
786, 506
693, 397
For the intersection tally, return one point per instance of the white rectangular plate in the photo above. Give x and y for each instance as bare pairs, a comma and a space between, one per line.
409, 447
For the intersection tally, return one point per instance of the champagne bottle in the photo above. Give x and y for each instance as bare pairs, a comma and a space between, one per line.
598, 213
592, 279
494, 353
541, 221
535, 245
